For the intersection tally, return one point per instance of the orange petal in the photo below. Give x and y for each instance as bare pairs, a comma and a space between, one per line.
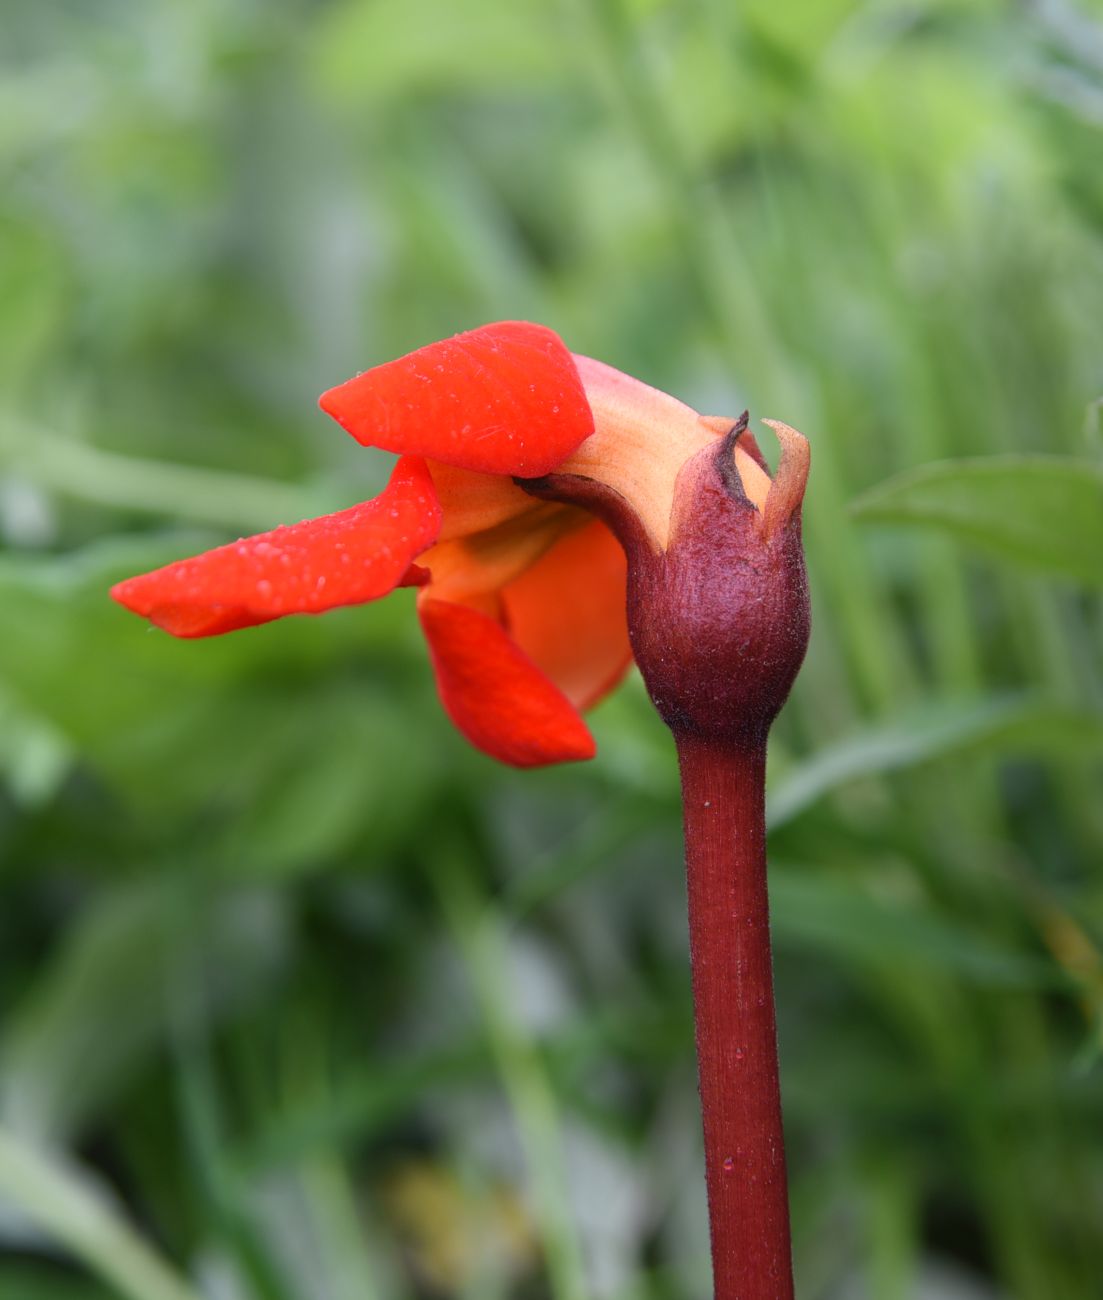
567, 612
473, 502
346, 558
468, 569
495, 694
642, 439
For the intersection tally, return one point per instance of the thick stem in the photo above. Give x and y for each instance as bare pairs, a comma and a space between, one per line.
723, 788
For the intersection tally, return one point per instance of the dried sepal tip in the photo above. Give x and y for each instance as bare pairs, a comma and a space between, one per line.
749, 463
787, 489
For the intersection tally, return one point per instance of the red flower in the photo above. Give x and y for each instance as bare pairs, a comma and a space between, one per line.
522, 600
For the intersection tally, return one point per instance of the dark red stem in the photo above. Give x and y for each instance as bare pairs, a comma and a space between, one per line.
723, 789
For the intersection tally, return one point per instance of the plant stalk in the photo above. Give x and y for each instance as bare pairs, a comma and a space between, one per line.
723, 790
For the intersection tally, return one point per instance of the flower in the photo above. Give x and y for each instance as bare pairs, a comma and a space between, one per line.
523, 474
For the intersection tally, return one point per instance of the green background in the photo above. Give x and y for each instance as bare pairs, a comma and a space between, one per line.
300, 998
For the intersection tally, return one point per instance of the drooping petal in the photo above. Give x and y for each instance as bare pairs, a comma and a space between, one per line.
495, 694
502, 399
345, 558
567, 613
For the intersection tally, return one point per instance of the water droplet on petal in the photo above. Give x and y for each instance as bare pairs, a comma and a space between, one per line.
729, 1164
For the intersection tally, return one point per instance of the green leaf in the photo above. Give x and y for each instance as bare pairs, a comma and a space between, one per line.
367, 52
1011, 724
61, 1200
203, 496
843, 918
1040, 511
48, 1283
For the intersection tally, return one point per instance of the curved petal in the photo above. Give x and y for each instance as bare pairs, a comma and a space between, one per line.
502, 399
643, 438
346, 558
568, 614
495, 694
467, 570
473, 503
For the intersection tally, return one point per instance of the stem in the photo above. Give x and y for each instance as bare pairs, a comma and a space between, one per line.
61, 1201
723, 789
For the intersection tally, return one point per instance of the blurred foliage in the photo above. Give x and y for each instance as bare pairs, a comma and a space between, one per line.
303, 1000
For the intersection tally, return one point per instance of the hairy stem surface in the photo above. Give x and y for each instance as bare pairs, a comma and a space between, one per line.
723, 788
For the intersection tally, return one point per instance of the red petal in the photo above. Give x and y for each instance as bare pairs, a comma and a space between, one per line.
503, 399
568, 613
495, 694
341, 559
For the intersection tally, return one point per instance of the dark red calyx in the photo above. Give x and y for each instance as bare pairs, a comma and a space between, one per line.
719, 621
